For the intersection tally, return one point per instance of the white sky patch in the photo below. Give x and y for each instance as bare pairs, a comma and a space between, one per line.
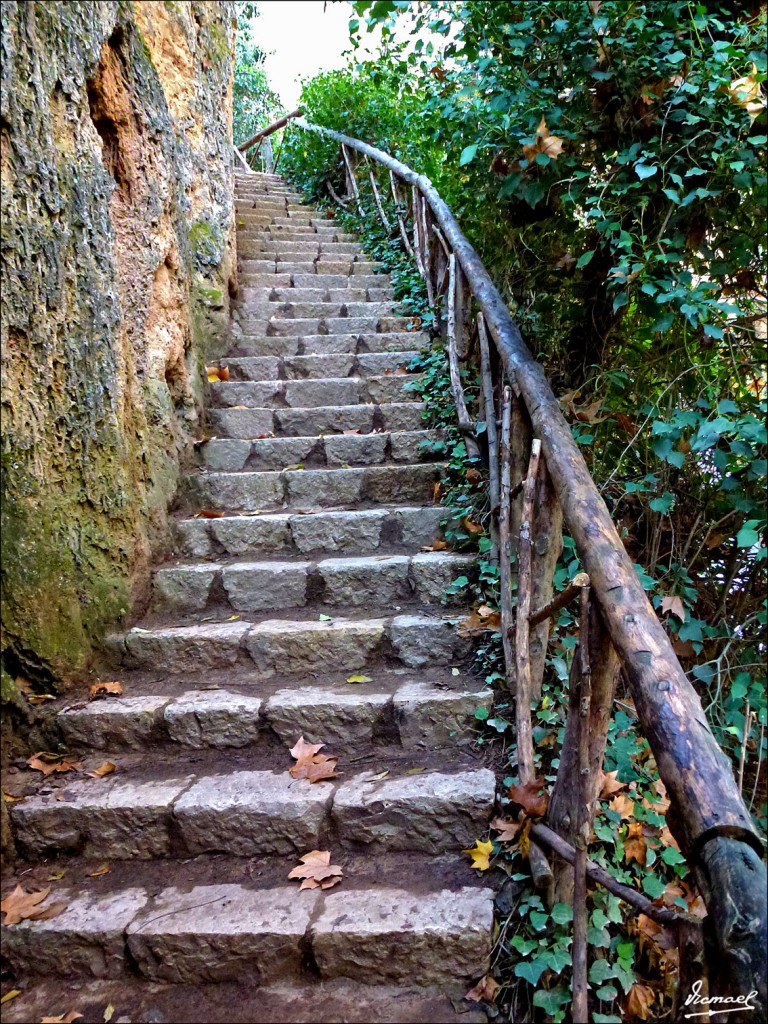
301, 38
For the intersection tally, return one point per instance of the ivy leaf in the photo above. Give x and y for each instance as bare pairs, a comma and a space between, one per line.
643, 170
562, 913
531, 970
468, 154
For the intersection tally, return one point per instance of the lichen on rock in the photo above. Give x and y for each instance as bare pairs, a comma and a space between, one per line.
118, 261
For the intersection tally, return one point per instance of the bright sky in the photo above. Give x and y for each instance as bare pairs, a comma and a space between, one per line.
300, 37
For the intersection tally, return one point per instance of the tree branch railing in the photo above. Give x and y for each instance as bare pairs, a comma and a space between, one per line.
618, 625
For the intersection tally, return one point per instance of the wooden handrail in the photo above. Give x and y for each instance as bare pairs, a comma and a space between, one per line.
276, 126
707, 815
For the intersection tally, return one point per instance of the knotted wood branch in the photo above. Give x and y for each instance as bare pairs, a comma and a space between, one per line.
466, 426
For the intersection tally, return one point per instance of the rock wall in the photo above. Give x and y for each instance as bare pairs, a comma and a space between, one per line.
117, 266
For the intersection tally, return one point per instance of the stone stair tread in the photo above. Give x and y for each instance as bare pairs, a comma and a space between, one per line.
251, 422
220, 932
239, 1002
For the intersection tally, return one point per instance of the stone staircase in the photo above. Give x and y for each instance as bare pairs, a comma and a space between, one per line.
308, 568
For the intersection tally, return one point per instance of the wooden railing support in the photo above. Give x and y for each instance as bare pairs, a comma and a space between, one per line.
276, 126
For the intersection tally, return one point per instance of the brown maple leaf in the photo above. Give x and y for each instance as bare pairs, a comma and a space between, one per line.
65, 1018
301, 749
551, 145
317, 871
113, 689
532, 797
634, 844
25, 906
639, 1001
484, 991
611, 784
50, 763
508, 830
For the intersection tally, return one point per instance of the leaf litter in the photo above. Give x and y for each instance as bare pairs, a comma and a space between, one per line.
316, 870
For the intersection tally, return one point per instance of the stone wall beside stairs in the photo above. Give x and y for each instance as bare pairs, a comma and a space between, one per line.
118, 262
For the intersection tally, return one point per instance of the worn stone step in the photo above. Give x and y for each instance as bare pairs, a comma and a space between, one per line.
333, 364
300, 326
248, 491
373, 581
225, 932
308, 1001
258, 244
255, 423
257, 344
391, 708
254, 814
312, 393
341, 450
319, 294
290, 646
323, 265
354, 532
265, 308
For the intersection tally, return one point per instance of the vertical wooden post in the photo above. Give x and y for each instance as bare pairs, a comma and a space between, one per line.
462, 414
418, 250
352, 188
522, 628
400, 222
562, 815
491, 433
583, 818
427, 254
377, 199
505, 542
547, 542
462, 293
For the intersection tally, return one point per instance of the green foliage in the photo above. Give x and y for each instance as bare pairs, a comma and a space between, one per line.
255, 104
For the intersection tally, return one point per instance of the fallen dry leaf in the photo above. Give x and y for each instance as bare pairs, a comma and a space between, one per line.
436, 545
481, 620
550, 145
19, 905
746, 93
639, 1001
63, 1019
481, 855
50, 763
113, 689
109, 1013
206, 513
302, 749
104, 769
484, 991
674, 604
623, 805
11, 799
634, 844
40, 698
532, 797
11, 994
611, 784
103, 870
437, 492
215, 373
317, 871
508, 830
359, 679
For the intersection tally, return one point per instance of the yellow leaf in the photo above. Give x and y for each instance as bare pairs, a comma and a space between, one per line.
103, 870
359, 679
415, 771
104, 769
746, 93
481, 855
484, 991
109, 1013
10, 995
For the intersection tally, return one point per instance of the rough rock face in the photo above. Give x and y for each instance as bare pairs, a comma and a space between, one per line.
118, 262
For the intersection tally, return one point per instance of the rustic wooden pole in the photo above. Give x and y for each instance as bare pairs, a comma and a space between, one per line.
583, 818
466, 425
418, 249
546, 544
548, 611
706, 802
491, 434
351, 180
428, 252
268, 130
567, 797
400, 222
335, 195
377, 200
637, 900
505, 541
462, 305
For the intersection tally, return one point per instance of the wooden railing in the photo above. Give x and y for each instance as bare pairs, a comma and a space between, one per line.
539, 480
260, 136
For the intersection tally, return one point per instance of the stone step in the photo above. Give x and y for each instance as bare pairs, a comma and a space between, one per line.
255, 305
334, 364
316, 282
393, 709
258, 244
227, 932
307, 1000
269, 233
353, 532
299, 326
296, 489
328, 344
259, 423
293, 646
293, 296
253, 813
336, 450
373, 582
312, 393
322, 265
